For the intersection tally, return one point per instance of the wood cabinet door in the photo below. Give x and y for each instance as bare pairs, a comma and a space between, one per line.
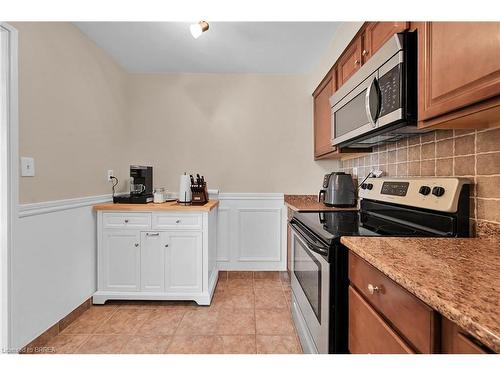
459, 65
153, 261
376, 34
455, 341
183, 263
120, 261
368, 332
322, 117
350, 61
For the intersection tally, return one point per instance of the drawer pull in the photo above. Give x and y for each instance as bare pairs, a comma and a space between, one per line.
136, 245
177, 221
126, 221
152, 234
372, 289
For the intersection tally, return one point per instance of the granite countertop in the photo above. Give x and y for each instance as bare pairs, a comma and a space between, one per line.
167, 206
309, 203
459, 278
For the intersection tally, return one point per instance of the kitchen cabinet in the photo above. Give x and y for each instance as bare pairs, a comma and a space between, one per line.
156, 255
120, 260
375, 34
152, 257
322, 116
414, 321
385, 318
183, 262
456, 341
350, 61
368, 332
459, 74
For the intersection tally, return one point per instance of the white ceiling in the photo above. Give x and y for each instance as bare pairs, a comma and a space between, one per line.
227, 47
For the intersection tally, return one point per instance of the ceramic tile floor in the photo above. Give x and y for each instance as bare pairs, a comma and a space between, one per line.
250, 313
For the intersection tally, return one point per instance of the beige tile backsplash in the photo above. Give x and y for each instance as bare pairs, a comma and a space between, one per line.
474, 154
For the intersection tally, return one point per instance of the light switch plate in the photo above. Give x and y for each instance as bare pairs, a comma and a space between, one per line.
27, 167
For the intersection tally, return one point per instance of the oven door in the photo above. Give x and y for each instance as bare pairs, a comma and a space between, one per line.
357, 113
311, 291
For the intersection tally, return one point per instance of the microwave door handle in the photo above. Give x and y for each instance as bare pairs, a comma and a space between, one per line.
367, 102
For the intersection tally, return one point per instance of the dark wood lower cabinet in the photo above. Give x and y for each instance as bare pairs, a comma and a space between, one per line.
456, 341
368, 332
385, 318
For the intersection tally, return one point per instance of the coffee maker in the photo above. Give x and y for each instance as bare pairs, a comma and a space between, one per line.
141, 186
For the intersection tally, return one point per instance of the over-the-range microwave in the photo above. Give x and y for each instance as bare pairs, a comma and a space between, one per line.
378, 103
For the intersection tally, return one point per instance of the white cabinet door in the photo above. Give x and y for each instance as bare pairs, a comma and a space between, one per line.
153, 261
183, 262
120, 260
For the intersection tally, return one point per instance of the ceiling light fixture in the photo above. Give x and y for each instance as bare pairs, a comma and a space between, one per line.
198, 28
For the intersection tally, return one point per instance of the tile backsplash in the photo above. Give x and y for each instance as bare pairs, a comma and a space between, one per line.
474, 154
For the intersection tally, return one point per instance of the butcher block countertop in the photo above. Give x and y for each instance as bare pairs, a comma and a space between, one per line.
459, 278
309, 203
167, 206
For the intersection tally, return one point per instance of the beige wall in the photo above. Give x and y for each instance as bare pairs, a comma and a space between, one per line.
72, 113
245, 133
81, 114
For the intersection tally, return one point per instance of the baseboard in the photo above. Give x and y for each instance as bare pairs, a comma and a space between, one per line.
38, 344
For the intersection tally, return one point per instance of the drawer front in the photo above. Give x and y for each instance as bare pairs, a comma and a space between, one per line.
368, 333
410, 316
177, 221
125, 220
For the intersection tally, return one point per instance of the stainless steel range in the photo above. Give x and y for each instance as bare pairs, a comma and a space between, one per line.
408, 207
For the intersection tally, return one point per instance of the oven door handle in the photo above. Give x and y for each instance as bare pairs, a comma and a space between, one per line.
322, 250
372, 86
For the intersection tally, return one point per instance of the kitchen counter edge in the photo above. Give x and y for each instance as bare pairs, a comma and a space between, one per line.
167, 206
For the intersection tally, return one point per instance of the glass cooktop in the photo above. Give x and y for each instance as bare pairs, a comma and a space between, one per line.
330, 226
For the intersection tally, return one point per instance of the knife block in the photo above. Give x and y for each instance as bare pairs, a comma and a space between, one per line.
199, 194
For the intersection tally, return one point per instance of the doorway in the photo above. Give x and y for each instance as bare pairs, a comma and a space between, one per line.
8, 170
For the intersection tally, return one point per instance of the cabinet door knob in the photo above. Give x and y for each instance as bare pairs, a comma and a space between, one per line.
372, 289
166, 245
136, 245
126, 221
356, 62
177, 221
364, 53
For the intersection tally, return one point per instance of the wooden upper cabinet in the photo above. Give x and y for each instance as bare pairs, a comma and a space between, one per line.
459, 65
322, 116
350, 61
376, 34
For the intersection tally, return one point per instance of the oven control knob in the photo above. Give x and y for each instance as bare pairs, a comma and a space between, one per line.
424, 190
363, 186
369, 186
438, 191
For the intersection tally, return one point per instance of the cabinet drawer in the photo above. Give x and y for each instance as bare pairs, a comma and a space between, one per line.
406, 313
368, 333
177, 221
122, 220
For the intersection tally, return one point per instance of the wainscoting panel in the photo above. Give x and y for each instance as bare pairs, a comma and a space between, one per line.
53, 264
250, 232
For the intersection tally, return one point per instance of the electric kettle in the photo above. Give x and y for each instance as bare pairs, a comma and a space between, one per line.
338, 190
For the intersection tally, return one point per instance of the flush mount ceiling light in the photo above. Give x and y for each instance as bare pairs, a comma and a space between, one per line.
198, 28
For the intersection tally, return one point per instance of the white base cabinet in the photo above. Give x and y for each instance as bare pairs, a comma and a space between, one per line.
156, 256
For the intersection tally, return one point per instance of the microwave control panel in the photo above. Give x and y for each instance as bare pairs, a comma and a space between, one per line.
390, 90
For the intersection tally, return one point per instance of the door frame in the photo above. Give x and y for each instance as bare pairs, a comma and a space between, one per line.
9, 180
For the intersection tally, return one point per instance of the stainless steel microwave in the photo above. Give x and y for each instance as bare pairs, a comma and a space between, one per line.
378, 104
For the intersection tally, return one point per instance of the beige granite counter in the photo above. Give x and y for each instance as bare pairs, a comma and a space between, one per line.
459, 278
308, 203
